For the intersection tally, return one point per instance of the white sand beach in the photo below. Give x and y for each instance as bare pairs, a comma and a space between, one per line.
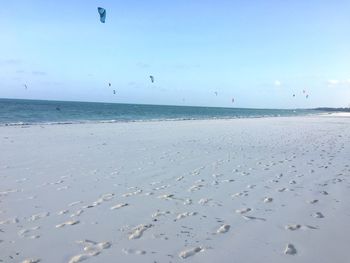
242, 190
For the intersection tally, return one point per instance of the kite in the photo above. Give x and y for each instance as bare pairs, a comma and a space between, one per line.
152, 78
102, 13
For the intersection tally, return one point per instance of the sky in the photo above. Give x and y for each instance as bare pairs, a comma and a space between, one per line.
258, 52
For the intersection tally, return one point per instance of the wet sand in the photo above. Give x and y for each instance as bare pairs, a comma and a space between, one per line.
243, 190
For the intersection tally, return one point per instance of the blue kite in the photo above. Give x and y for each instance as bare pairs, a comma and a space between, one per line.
102, 13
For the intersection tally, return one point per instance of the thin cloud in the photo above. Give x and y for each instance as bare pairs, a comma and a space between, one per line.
142, 65
10, 62
333, 82
132, 83
336, 82
185, 66
278, 83
40, 73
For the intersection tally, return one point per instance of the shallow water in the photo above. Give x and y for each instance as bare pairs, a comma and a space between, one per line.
13, 111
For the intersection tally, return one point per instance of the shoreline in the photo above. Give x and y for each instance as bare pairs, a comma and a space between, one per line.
166, 120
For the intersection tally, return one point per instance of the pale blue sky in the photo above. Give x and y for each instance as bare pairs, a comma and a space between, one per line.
259, 52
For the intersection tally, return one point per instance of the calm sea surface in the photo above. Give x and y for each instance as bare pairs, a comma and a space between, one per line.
19, 112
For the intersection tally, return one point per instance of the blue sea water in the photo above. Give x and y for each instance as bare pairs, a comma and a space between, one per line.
21, 112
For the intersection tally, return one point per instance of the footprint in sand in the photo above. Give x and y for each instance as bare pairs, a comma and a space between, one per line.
268, 199
5, 193
68, 223
227, 181
292, 227
297, 226
179, 178
185, 214
204, 201
62, 188
21, 180
118, 206
161, 187
75, 203
217, 175
77, 213
131, 251
254, 218
160, 213
195, 188
31, 260
166, 196
62, 212
243, 210
103, 198
223, 229
132, 193
137, 232
187, 201
273, 181
58, 182
311, 227
9, 221
106, 197
27, 233
290, 250
38, 216
91, 249
244, 193
318, 215
190, 252
251, 186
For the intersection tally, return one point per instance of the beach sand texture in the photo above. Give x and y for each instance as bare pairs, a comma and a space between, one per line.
243, 190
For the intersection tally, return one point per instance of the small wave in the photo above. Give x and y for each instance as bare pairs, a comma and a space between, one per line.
40, 123
25, 124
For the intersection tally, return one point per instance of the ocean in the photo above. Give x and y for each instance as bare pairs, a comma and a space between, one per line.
29, 112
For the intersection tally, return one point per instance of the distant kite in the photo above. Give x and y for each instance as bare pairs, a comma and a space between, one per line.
109, 84
304, 91
102, 13
233, 100
152, 78
114, 91
293, 95
25, 86
216, 93
307, 96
